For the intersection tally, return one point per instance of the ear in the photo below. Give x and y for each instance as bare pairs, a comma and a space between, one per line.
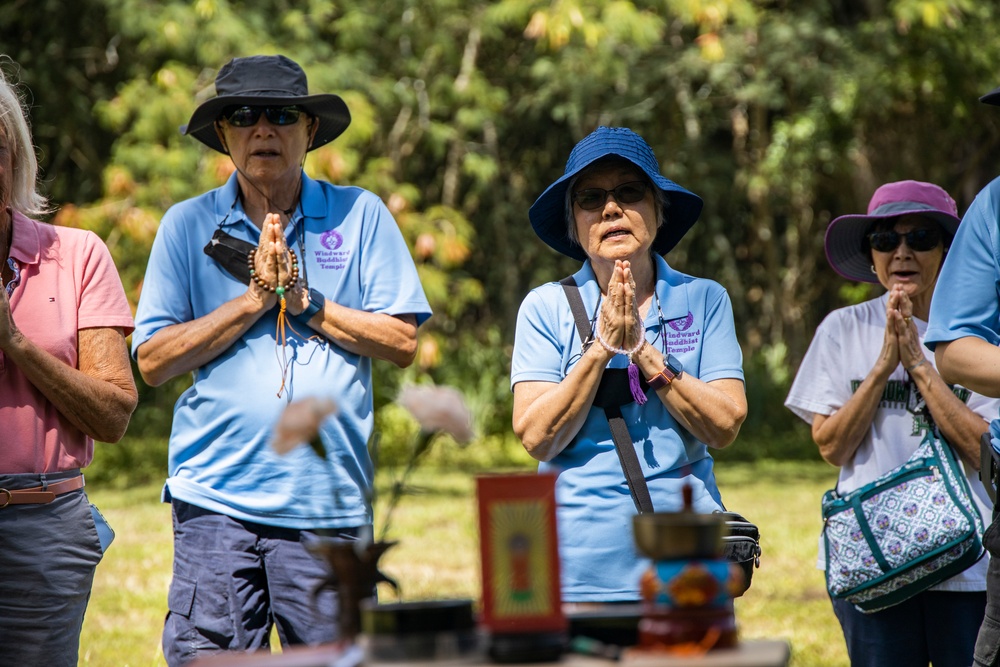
222, 137
313, 128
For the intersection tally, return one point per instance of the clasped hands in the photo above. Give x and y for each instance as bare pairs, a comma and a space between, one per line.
618, 324
901, 344
273, 267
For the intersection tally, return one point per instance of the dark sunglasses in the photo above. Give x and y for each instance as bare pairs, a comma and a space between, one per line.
920, 240
248, 116
594, 198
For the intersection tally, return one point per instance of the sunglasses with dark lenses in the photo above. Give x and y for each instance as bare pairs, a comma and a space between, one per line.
921, 240
248, 116
592, 199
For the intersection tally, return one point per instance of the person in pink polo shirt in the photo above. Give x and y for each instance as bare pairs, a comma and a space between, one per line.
65, 381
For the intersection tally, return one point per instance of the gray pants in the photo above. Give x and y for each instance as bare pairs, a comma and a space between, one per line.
988, 642
48, 554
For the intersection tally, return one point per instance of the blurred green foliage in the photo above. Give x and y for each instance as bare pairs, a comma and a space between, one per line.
780, 114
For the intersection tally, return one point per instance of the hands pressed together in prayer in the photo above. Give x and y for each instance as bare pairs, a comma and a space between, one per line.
901, 343
619, 324
273, 266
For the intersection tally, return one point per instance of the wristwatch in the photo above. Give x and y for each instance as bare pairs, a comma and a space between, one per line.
672, 370
316, 303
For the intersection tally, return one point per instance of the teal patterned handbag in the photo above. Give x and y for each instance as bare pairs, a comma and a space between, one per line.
910, 529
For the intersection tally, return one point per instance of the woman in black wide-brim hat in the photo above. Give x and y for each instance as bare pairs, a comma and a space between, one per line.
659, 343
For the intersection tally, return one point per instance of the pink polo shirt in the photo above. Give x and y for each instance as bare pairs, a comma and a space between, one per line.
68, 282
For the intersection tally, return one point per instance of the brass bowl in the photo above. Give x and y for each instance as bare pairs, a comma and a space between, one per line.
677, 535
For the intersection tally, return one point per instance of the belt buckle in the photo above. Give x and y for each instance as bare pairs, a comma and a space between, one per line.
5, 501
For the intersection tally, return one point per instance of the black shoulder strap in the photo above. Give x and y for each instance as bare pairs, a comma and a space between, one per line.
619, 430
579, 310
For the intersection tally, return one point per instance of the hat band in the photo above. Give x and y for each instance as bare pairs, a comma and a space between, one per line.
904, 207
264, 93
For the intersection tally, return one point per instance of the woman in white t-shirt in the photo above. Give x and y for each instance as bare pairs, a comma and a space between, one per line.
863, 386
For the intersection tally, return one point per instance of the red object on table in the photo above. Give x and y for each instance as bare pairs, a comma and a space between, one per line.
520, 554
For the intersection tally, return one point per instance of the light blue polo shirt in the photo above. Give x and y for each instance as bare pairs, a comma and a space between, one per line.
967, 296
220, 457
595, 509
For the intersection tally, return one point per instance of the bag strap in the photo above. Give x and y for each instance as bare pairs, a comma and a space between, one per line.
950, 459
988, 465
627, 457
572, 291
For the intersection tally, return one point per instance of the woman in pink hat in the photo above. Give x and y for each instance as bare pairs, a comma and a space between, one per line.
866, 386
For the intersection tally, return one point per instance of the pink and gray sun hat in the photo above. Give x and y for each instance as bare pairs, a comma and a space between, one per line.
846, 247
548, 213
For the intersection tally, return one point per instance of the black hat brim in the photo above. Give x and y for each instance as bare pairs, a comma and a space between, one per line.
329, 109
992, 97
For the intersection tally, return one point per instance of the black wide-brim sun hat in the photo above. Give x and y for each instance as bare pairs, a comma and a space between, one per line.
267, 81
845, 243
548, 213
992, 97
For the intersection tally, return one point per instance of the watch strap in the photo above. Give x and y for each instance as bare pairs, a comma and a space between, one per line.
316, 303
661, 379
672, 370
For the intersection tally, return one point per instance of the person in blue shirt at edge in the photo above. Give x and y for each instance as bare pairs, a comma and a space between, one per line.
330, 264
615, 212
964, 333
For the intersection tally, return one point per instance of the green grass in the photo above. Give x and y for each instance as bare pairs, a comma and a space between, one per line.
437, 557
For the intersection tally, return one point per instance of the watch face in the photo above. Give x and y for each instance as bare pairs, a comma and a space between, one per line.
674, 364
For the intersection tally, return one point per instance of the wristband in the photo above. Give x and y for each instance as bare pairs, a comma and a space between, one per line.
672, 369
316, 303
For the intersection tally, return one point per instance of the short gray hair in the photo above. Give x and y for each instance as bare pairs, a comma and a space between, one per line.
24, 195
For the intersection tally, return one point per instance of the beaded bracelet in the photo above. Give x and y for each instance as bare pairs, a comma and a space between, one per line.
280, 335
293, 276
615, 350
635, 387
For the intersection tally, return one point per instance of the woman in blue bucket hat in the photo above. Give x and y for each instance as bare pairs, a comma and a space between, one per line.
864, 386
646, 352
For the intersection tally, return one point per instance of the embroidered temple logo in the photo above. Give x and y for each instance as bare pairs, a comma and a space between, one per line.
331, 239
682, 323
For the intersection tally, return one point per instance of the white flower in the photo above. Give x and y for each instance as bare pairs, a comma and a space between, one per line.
438, 409
299, 422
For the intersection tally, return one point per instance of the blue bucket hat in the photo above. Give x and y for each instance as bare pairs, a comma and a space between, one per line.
548, 213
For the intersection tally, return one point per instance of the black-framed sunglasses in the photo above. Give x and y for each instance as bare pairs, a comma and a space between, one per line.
591, 199
247, 116
920, 240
